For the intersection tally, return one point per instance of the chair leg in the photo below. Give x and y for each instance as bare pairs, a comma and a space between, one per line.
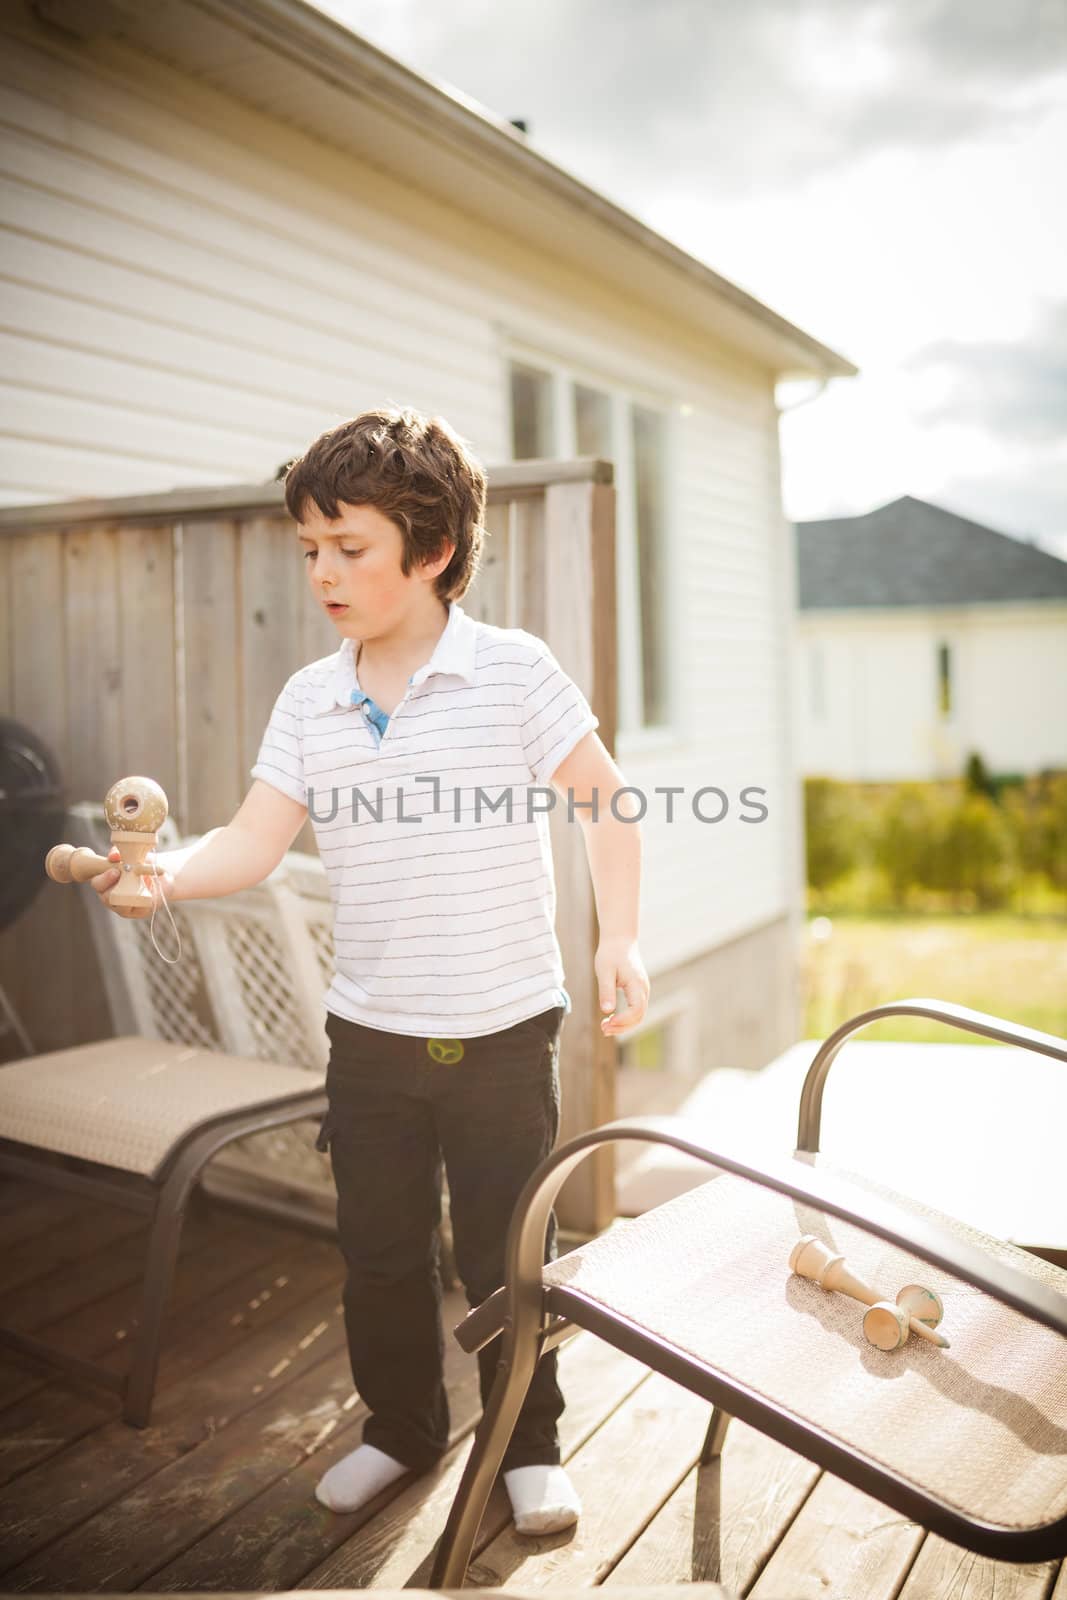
715, 1437
163, 1243
517, 1363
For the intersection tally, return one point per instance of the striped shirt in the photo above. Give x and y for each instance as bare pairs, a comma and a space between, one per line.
435, 841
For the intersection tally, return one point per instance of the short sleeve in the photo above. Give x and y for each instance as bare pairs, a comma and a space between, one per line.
556, 716
280, 761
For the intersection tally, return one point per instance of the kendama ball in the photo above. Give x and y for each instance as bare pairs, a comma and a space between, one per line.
135, 805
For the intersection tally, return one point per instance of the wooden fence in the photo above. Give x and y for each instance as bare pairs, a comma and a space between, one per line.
152, 634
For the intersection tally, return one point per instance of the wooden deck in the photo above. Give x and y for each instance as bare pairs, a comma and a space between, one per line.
255, 1401
996, 1111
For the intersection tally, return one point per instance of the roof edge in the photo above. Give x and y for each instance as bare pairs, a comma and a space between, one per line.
312, 38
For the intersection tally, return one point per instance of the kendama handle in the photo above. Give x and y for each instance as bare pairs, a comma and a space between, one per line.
815, 1260
931, 1335
67, 863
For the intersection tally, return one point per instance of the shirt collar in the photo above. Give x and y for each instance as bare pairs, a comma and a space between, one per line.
453, 656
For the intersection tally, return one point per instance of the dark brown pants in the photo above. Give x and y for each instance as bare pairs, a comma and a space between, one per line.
399, 1108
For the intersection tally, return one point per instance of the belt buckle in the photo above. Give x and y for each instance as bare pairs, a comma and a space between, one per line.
446, 1052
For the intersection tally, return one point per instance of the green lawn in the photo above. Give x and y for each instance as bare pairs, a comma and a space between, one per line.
1014, 967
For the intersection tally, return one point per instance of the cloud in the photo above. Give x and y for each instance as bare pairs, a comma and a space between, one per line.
715, 98
1017, 390
882, 171
1028, 501
983, 41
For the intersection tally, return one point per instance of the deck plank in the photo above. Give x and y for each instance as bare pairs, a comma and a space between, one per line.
946, 1572
129, 1540
624, 1474
94, 1306
724, 1521
218, 1494
271, 1541
65, 1289
32, 1211
44, 1508
696, 1591
14, 1193
396, 1549
842, 1544
87, 1229
959, 1085
55, 1414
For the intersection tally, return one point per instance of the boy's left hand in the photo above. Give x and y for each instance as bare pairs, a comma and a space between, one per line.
618, 965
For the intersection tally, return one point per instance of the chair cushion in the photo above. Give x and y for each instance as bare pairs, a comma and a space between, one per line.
127, 1102
982, 1425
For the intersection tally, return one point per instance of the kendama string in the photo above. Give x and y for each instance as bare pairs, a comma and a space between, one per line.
172, 961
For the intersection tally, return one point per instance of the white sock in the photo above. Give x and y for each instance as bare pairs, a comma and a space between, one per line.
543, 1499
357, 1478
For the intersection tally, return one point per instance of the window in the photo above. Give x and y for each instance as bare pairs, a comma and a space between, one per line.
592, 422
555, 413
944, 680
531, 414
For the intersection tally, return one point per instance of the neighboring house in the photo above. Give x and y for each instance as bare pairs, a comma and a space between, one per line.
923, 637
230, 226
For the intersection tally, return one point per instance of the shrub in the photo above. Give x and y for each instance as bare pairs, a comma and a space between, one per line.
834, 834
1037, 810
976, 778
909, 842
952, 839
980, 854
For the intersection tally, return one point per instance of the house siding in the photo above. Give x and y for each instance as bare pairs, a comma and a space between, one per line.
881, 721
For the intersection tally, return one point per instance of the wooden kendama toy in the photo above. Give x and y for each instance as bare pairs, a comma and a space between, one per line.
886, 1323
135, 810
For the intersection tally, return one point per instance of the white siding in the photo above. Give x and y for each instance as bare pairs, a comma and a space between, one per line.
181, 313
731, 640
191, 291
881, 720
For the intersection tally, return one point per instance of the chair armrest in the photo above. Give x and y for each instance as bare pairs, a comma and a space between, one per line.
483, 1323
922, 1235
980, 1022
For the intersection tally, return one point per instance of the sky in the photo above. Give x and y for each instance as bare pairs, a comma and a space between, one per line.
888, 176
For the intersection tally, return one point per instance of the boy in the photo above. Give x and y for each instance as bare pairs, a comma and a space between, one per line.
447, 1001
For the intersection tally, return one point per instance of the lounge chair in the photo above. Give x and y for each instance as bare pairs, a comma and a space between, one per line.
133, 1121
227, 1043
969, 1441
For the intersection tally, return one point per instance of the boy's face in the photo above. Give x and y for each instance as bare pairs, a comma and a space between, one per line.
353, 564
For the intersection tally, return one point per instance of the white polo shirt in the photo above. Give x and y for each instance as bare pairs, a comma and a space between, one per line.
444, 909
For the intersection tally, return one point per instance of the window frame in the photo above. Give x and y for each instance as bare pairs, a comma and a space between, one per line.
634, 734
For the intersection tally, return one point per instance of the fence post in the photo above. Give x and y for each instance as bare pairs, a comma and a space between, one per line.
579, 628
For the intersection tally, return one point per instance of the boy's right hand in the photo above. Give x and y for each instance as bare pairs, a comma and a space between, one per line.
104, 882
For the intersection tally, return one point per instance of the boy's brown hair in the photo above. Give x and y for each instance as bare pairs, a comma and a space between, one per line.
415, 470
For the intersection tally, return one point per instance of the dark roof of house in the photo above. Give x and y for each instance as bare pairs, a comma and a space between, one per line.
911, 553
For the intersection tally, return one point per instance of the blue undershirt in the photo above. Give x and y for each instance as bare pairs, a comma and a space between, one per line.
376, 717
